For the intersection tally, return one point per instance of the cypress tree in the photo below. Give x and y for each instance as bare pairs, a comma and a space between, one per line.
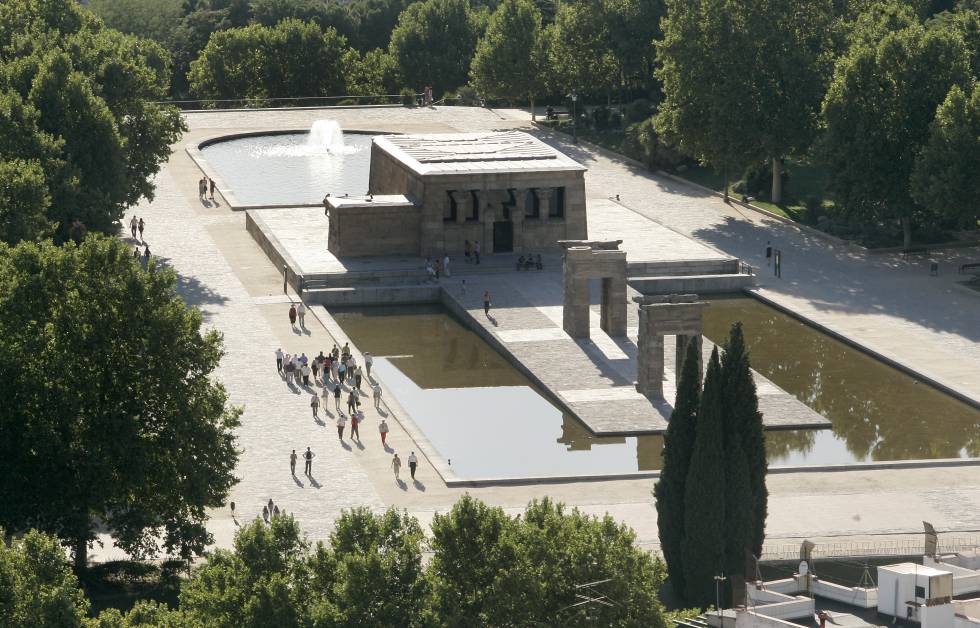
739, 519
678, 444
744, 420
703, 548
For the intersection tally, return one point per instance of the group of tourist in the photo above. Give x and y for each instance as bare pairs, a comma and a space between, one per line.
530, 262
437, 268
137, 225
336, 368
471, 251
204, 185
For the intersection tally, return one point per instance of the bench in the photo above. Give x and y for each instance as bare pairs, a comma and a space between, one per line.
972, 269
916, 252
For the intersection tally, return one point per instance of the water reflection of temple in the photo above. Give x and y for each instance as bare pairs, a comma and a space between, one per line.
576, 437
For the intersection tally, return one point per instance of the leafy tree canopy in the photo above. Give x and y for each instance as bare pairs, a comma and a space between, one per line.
434, 43
113, 415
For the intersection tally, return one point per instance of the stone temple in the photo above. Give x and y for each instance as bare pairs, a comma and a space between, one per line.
428, 194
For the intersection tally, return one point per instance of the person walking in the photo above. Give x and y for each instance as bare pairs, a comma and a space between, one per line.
368, 363
314, 403
768, 253
467, 251
355, 420
445, 266
305, 371
146, 256
292, 315
279, 356
341, 372
326, 397
413, 464
301, 312
357, 378
201, 186
377, 396
137, 254
336, 395
142, 225
352, 402
211, 186
292, 462
335, 369
132, 227
315, 370
341, 424
308, 456
383, 428
396, 466
476, 251
486, 303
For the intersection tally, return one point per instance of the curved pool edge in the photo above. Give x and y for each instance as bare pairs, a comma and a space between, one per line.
194, 151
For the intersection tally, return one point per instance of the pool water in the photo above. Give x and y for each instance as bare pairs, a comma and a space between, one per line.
490, 421
291, 169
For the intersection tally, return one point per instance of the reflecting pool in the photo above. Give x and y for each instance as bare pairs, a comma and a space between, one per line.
489, 420
878, 412
293, 169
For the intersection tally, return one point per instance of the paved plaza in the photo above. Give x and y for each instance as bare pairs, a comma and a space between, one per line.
893, 307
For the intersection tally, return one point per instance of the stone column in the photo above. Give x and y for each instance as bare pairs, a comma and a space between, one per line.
462, 199
683, 340
649, 357
575, 310
544, 201
488, 214
613, 310
517, 217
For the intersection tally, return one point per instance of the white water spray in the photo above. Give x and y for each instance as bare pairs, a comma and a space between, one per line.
326, 135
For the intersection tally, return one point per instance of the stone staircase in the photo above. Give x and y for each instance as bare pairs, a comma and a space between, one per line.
710, 276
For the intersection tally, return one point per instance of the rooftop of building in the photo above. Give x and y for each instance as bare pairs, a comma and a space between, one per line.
369, 200
476, 153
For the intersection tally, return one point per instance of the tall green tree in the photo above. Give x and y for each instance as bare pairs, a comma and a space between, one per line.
944, 179
114, 418
509, 58
580, 58
703, 549
289, 59
37, 586
434, 43
671, 486
86, 95
24, 201
743, 79
745, 432
877, 113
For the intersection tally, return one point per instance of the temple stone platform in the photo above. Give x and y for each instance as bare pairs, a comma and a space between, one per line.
595, 377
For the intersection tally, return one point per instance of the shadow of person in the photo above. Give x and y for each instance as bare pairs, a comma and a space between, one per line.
307, 332
492, 320
298, 482
388, 449
401, 484
359, 444
328, 413
319, 422
419, 485
313, 481
345, 445
382, 412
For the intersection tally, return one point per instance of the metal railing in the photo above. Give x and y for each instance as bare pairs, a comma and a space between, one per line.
910, 546
348, 100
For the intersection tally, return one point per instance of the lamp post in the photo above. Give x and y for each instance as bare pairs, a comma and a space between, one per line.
574, 98
718, 580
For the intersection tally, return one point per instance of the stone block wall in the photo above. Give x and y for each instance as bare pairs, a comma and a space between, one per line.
362, 231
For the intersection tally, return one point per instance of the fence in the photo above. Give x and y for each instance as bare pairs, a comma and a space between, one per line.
299, 101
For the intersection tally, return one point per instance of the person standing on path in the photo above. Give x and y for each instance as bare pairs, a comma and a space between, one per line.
301, 311
314, 403
357, 378
413, 463
292, 462
142, 225
292, 315
377, 396
132, 227
396, 466
308, 456
355, 420
486, 303
279, 356
211, 186
476, 251
445, 266
341, 372
368, 363
383, 428
768, 252
352, 402
305, 371
201, 187
467, 250
341, 424
336, 395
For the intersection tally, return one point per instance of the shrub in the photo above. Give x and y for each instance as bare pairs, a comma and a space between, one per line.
757, 180
642, 142
600, 117
468, 97
638, 110
408, 97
